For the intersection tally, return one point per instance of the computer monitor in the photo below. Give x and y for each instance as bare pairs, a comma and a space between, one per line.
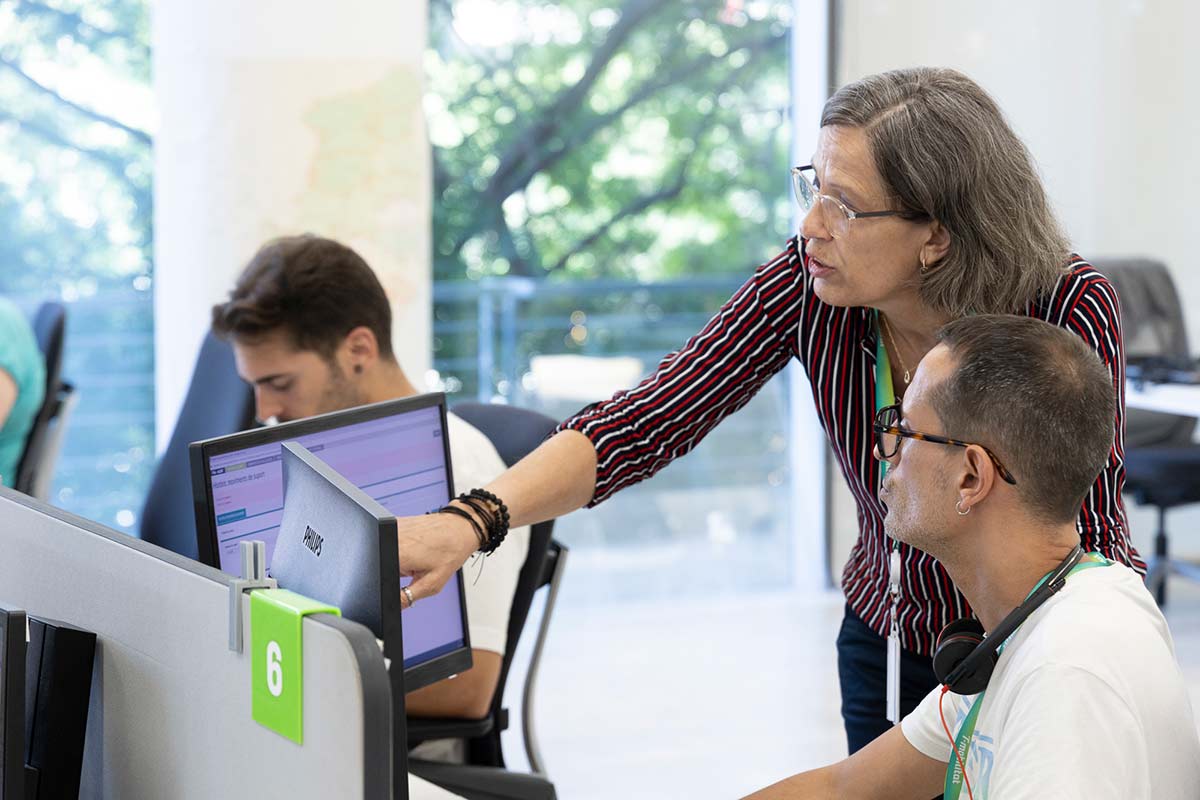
338, 545
12, 704
397, 452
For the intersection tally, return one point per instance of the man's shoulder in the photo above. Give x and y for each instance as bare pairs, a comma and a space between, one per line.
1105, 621
472, 453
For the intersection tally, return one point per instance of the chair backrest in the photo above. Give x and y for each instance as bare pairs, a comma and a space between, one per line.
1152, 327
218, 402
514, 432
50, 330
42, 447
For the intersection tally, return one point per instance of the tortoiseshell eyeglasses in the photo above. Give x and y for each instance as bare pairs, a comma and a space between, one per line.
888, 434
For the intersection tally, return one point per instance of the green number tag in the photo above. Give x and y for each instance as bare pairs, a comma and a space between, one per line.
277, 668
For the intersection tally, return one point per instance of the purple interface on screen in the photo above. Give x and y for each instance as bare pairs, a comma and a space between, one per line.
398, 460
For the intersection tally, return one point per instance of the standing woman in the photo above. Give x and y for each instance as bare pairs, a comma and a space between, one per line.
922, 207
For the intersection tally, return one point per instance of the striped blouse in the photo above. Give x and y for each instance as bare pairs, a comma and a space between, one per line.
776, 316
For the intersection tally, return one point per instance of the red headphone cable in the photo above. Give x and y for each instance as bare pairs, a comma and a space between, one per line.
953, 747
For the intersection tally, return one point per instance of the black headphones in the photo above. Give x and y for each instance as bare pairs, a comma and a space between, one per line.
965, 655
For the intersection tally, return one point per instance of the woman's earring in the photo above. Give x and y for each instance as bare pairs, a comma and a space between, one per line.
958, 508
924, 268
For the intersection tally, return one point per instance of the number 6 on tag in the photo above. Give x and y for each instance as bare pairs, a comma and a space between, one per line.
277, 669
274, 669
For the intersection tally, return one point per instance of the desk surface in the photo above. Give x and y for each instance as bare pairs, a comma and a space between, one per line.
1170, 398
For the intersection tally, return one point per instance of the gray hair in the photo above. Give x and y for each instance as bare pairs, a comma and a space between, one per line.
946, 152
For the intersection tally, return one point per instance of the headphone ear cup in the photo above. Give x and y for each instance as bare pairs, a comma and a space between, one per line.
956, 641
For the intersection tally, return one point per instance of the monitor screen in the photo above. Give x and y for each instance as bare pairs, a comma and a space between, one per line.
396, 452
12, 704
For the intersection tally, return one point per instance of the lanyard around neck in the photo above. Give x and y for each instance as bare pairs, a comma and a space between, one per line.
952, 786
885, 394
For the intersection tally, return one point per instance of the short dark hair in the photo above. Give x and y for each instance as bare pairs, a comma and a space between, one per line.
315, 289
1038, 396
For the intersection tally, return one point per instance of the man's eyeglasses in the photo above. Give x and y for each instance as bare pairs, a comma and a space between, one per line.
837, 214
888, 434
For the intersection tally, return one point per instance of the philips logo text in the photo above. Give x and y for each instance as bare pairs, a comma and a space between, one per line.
313, 540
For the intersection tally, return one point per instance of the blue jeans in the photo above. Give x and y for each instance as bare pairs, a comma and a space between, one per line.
862, 672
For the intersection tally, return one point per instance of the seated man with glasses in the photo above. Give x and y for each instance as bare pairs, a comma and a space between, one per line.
1065, 683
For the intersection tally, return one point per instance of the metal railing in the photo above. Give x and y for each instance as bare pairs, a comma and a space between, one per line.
734, 484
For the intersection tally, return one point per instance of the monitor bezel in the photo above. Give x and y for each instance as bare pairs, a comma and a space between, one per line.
12, 703
201, 453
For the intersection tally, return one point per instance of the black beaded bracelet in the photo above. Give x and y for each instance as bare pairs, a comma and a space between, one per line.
485, 514
498, 528
491, 524
467, 516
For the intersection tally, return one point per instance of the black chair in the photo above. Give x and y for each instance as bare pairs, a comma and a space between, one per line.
1162, 463
44, 445
217, 402
514, 432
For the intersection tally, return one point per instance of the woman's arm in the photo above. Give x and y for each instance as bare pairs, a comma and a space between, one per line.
553, 480
8, 395
629, 438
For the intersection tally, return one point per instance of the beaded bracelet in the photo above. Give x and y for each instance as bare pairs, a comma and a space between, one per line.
467, 516
500, 519
490, 524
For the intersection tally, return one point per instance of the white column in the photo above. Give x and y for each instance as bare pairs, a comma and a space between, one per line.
280, 117
809, 469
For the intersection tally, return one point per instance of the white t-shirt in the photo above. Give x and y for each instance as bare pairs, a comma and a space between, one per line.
489, 582
421, 789
1086, 701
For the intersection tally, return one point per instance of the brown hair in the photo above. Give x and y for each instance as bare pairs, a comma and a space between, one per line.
314, 289
946, 152
1039, 397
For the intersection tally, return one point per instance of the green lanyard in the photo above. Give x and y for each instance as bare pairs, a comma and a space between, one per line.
885, 392
952, 786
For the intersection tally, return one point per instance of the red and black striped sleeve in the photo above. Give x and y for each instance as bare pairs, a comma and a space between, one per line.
1087, 305
751, 338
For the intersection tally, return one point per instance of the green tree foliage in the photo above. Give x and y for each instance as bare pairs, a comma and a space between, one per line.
644, 140
76, 225
75, 163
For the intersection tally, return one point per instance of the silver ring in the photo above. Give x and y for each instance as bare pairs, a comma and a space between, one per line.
408, 594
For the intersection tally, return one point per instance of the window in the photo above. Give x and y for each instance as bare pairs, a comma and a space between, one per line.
75, 225
605, 175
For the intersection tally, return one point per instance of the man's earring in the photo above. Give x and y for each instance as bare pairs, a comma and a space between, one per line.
958, 508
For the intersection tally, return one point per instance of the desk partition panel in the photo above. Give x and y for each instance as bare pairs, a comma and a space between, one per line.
170, 712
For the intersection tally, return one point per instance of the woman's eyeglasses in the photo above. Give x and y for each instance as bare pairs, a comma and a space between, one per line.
837, 215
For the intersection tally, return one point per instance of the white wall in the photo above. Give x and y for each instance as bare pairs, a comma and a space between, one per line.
280, 117
1104, 95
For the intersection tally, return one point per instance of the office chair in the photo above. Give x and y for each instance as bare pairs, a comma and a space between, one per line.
1162, 463
217, 402
44, 445
514, 432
